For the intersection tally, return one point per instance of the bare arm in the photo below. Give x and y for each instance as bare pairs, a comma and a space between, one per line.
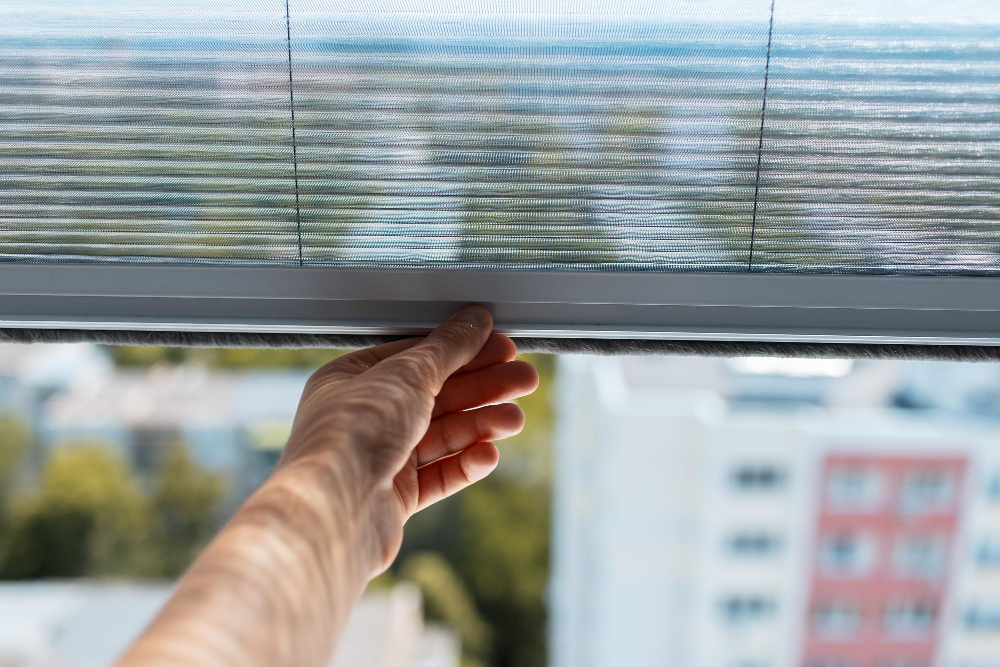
379, 434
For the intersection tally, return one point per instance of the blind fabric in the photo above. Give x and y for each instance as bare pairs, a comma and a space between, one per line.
128, 134
798, 136
881, 148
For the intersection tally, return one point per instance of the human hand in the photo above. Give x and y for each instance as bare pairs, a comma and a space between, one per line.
392, 429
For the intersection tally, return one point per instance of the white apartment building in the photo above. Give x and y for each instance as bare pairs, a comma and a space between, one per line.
762, 513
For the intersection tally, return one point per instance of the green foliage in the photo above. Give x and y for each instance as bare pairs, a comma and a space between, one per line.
184, 504
138, 356
89, 517
14, 441
447, 599
86, 517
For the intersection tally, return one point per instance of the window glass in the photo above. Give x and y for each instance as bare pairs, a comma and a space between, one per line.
836, 618
723, 136
926, 490
987, 552
754, 544
920, 556
847, 554
908, 618
758, 478
854, 489
652, 508
741, 610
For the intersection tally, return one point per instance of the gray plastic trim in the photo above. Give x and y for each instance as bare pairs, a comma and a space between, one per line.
541, 304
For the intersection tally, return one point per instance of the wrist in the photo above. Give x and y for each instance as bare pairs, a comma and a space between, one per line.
319, 497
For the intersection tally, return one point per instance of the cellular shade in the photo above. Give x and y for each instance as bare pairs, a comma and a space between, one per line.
145, 132
721, 136
881, 144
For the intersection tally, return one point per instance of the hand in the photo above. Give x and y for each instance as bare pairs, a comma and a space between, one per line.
400, 426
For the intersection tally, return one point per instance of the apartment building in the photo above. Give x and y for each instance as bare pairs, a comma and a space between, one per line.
770, 513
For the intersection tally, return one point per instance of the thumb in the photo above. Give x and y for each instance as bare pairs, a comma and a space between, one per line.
427, 365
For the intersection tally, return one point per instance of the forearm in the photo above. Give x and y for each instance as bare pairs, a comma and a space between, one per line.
276, 587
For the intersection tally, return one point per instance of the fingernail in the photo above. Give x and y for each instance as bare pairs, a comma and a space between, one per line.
477, 316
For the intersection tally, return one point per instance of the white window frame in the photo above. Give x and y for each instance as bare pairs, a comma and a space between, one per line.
639, 305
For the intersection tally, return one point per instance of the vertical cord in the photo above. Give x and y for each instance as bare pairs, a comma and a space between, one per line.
760, 141
291, 106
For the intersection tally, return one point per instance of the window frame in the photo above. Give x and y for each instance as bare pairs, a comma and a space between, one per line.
819, 308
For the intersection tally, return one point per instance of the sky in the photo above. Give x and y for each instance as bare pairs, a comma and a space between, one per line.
981, 11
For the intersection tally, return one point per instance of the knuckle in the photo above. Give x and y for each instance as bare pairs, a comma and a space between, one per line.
448, 437
479, 425
442, 480
464, 471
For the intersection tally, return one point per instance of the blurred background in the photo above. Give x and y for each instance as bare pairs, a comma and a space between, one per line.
655, 511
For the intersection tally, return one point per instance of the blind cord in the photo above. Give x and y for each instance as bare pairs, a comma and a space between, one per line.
291, 107
760, 141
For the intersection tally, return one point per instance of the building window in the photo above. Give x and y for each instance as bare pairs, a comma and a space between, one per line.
982, 618
919, 556
758, 478
836, 619
854, 489
753, 545
927, 490
988, 553
908, 618
993, 488
739, 610
846, 555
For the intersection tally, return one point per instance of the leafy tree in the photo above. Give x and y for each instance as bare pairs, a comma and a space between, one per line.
447, 599
14, 441
184, 504
242, 357
87, 517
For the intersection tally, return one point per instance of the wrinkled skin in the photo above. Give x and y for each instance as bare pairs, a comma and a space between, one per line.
379, 435
414, 428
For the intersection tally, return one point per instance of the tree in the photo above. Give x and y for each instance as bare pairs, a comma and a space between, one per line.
14, 441
238, 357
87, 517
184, 505
447, 599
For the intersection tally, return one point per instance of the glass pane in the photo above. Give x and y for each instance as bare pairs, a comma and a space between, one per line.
595, 135
881, 145
136, 131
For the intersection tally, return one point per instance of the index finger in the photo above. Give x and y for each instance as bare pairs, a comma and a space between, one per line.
425, 366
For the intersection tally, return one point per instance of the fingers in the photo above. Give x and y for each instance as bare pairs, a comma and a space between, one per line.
423, 368
454, 432
497, 350
492, 384
447, 476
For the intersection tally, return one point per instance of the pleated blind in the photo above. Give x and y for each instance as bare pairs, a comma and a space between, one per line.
682, 135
